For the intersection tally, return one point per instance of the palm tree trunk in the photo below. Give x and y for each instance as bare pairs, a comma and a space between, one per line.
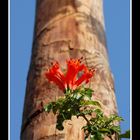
65, 29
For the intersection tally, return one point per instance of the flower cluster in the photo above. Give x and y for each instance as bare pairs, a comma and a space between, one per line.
70, 79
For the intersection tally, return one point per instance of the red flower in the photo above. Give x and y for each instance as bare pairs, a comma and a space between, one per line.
70, 79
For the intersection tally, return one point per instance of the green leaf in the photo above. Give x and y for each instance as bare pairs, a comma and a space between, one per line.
125, 135
85, 112
119, 118
48, 107
90, 102
116, 129
60, 120
114, 117
105, 130
98, 112
78, 96
88, 92
60, 100
56, 107
94, 129
98, 136
59, 126
91, 137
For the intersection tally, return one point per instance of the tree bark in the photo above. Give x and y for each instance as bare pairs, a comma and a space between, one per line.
65, 29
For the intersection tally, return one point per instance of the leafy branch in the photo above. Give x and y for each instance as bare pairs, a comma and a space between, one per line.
78, 103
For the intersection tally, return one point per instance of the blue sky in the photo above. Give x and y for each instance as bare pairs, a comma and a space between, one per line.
117, 23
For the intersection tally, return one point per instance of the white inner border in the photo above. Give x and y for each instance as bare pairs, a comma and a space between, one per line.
9, 70
130, 69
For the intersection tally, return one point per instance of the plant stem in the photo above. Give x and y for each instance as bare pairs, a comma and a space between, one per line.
88, 122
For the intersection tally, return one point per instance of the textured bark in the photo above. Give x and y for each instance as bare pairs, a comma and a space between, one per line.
65, 29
